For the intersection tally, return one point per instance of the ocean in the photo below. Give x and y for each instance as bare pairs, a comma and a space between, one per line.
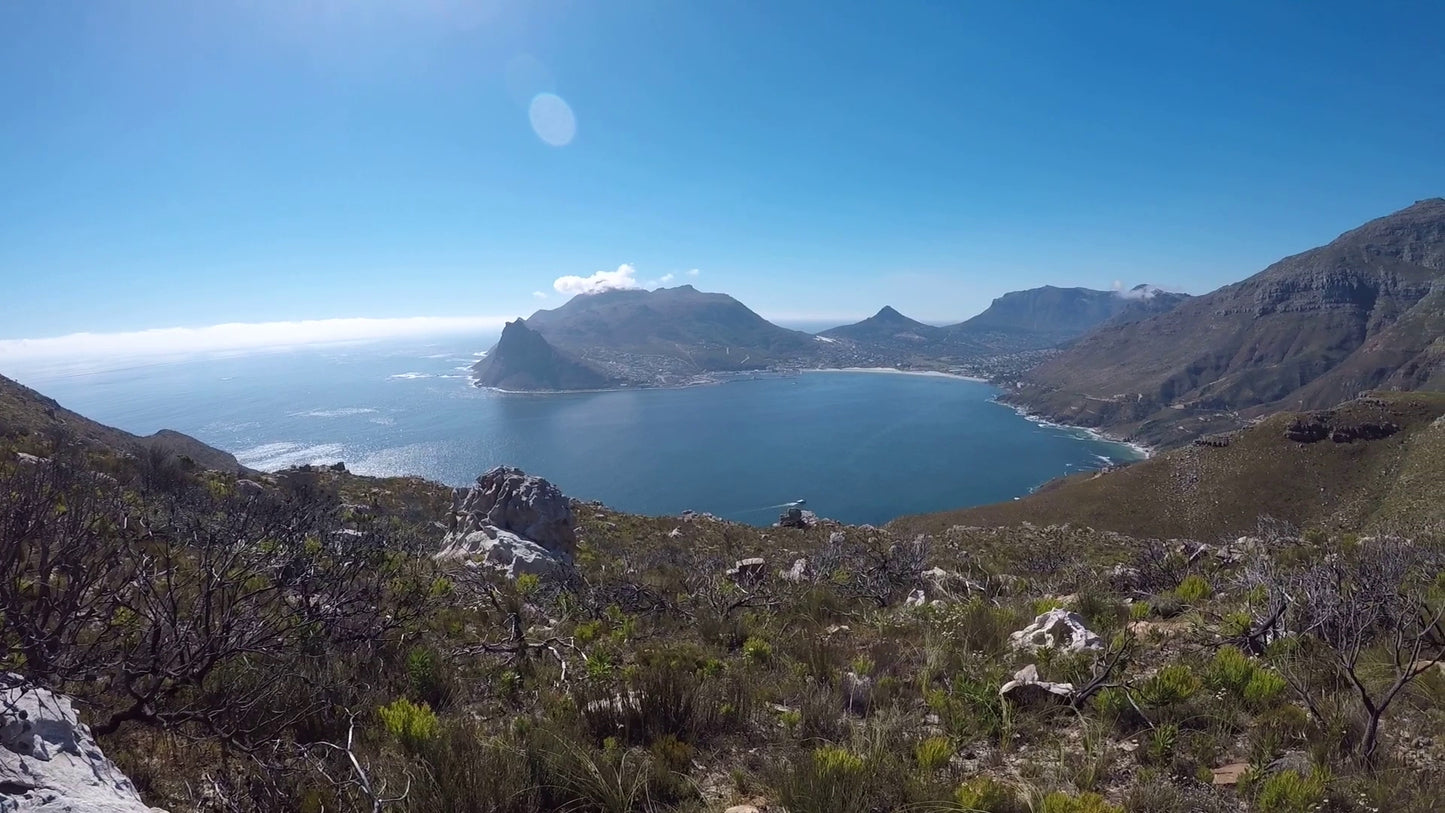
860, 447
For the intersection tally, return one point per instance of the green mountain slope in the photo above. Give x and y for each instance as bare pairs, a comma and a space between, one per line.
1204, 492
26, 416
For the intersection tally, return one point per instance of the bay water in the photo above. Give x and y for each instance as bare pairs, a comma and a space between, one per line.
859, 447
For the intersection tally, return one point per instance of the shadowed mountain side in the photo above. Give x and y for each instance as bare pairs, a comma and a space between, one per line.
25, 412
1209, 491
1050, 316
524, 360
715, 331
1311, 330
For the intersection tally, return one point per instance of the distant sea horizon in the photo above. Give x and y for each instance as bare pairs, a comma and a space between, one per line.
858, 446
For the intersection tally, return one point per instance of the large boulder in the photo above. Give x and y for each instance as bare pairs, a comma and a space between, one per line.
49, 763
1057, 629
513, 521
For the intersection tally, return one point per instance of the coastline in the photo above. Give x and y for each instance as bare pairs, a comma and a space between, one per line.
1144, 452
896, 371
726, 378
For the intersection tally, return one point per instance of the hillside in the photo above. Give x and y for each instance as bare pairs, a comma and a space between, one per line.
523, 360
394, 644
886, 326
27, 417
714, 331
1208, 492
1311, 330
1049, 316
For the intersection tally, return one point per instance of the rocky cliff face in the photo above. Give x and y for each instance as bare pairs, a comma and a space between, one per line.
524, 360
513, 521
1307, 332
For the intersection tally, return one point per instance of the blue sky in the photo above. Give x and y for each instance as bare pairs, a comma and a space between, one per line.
186, 164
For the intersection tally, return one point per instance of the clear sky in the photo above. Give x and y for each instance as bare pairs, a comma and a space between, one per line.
171, 164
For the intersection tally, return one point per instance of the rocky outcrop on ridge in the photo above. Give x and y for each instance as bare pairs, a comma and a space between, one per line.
49, 762
513, 521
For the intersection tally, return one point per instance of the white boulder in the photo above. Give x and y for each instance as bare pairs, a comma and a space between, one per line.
1057, 629
49, 762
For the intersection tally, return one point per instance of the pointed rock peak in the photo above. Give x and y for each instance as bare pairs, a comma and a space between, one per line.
887, 312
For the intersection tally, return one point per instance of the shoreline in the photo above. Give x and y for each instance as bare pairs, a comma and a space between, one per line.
731, 378
896, 371
1144, 452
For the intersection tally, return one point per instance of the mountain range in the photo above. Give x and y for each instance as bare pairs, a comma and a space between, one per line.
676, 336
1365, 311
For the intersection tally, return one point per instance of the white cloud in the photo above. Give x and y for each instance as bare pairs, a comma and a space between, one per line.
665, 279
623, 279
694, 273
539, 294
179, 341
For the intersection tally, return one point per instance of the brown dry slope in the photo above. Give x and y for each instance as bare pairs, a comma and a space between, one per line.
1363, 312
1205, 492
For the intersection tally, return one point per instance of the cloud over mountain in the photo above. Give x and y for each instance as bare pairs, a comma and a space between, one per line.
623, 279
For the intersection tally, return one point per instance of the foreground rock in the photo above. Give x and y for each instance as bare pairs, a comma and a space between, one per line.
1026, 689
513, 521
49, 762
1057, 629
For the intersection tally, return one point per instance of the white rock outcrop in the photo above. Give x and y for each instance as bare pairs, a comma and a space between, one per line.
1026, 688
513, 521
49, 762
1057, 629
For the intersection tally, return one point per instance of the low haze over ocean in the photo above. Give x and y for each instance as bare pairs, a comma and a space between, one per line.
860, 447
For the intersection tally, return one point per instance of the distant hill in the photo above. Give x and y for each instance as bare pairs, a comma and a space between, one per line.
887, 325
25, 412
1362, 312
524, 360
640, 338
1050, 316
1208, 492
714, 330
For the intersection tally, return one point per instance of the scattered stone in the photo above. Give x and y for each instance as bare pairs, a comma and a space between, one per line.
1057, 628
1026, 689
1230, 774
857, 692
30, 459
916, 598
796, 517
514, 522
743, 809
797, 574
748, 571
675, 533
50, 762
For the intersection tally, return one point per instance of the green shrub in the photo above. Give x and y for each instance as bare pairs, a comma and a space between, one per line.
1193, 589
1170, 686
412, 724
1139, 610
1288, 792
1264, 687
757, 650
1166, 606
1229, 671
933, 753
830, 779
1083, 803
988, 795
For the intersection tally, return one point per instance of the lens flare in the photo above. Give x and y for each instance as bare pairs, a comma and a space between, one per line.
552, 119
